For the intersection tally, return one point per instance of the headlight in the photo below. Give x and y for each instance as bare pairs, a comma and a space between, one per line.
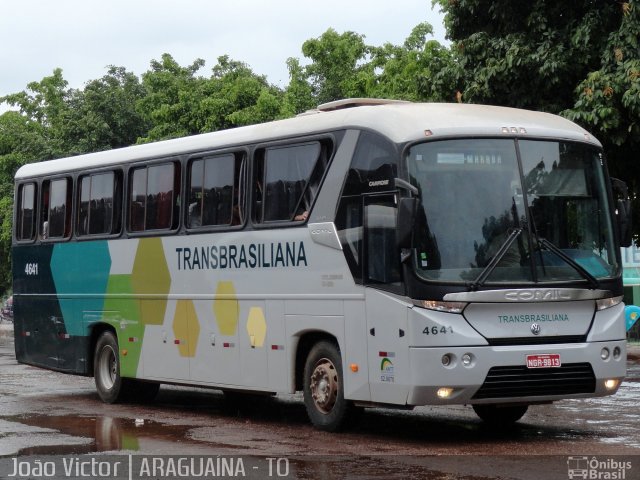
448, 307
605, 303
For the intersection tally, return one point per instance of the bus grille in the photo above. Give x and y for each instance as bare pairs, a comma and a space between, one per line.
520, 381
537, 340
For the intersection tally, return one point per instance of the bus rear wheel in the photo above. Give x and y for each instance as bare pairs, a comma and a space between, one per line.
106, 368
324, 388
498, 415
111, 387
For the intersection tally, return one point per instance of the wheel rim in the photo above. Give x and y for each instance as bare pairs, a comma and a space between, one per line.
324, 385
108, 367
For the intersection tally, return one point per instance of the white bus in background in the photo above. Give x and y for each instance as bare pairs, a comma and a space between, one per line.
367, 253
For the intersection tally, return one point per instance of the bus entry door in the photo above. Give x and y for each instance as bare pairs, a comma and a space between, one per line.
388, 351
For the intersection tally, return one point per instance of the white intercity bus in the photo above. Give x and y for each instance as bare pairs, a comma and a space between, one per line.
367, 253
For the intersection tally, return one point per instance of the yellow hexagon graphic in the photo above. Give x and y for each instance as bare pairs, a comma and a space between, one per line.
226, 309
150, 276
186, 328
256, 327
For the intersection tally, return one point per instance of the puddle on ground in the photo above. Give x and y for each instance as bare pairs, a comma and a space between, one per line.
107, 433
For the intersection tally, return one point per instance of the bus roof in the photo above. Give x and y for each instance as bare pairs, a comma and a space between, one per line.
399, 121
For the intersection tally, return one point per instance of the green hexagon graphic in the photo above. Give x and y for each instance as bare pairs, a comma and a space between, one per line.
150, 276
128, 325
226, 309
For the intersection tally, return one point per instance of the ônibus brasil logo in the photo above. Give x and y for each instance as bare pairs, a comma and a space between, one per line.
597, 469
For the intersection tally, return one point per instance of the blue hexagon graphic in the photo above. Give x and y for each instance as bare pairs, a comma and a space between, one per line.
80, 272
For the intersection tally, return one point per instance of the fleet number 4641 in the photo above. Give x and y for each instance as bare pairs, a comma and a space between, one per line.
437, 330
31, 269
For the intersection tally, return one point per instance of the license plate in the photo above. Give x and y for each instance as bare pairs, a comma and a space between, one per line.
548, 360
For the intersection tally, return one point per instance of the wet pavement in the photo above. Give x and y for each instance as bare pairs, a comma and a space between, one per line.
45, 414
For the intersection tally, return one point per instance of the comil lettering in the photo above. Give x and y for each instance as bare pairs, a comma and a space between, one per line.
536, 295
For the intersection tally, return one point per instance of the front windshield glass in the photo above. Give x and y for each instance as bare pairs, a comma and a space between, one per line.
477, 223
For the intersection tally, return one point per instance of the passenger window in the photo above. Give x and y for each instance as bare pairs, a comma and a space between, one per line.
214, 191
374, 166
56, 209
286, 180
25, 221
153, 197
373, 169
99, 204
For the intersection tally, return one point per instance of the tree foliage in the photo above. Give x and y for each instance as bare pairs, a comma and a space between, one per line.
104, 114
344, 66
419, 70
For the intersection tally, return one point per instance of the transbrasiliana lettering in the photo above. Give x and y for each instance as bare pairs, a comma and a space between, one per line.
534, 317
254, 255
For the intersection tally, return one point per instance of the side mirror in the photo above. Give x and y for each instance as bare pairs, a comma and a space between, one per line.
623, 212
407, 208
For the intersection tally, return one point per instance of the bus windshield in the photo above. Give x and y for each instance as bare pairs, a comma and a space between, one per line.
506, 211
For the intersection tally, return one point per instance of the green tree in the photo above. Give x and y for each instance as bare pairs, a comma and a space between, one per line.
173, 96
343, 66
178, 102
527, 54
237, 96
339, 67
22, 140
298, 96
419, 70
608, 99
45, 103
103, 115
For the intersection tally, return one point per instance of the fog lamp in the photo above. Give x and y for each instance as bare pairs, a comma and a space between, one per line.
444, 392
616, 353
611, 384
466, 359
446, 360
604, 354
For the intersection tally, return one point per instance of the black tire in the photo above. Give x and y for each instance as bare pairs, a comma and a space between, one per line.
497, 415
111, 387
323, 388
106, 369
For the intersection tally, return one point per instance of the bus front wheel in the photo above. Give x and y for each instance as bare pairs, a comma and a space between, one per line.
106, 368
500, 415
324, 388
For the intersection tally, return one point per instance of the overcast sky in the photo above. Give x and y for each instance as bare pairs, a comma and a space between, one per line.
83, 37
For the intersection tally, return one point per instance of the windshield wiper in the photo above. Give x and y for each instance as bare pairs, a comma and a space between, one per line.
502, 251
593, 281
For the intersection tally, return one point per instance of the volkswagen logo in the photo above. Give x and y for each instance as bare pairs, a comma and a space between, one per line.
535, 329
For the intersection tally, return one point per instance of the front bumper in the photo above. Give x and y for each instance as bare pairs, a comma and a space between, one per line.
582, 364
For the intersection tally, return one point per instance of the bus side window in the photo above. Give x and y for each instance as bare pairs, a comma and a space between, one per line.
25, 221
99, 204
153, 197
286, 180
363, 204
56, 209
214, 191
